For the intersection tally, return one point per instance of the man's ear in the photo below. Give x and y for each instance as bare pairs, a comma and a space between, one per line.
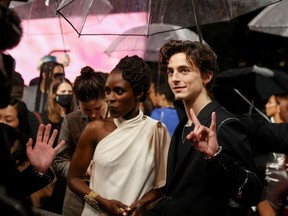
207, 77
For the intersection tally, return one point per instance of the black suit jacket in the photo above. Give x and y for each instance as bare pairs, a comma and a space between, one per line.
266, 137
200, 187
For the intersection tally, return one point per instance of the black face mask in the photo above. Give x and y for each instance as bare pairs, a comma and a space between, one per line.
8, 134
64, 100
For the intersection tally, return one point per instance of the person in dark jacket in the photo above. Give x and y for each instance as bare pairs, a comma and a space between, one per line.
203, 174
15, 186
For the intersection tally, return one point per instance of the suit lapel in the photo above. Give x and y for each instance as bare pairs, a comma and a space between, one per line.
205, 119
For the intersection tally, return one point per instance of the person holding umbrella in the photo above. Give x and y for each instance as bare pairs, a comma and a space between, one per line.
203, 172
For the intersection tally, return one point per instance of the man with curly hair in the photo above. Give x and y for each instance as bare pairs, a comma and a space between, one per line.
203, 176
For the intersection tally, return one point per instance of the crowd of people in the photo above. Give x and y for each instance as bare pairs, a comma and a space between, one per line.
102, 145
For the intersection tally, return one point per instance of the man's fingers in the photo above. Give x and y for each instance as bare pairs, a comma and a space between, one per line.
213, 122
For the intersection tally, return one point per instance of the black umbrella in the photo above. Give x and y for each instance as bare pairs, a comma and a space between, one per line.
253, 84
272, 20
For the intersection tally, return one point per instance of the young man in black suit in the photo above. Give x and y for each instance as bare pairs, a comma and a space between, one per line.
202, 175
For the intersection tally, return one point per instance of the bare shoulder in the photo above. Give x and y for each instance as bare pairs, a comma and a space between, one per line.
100, 128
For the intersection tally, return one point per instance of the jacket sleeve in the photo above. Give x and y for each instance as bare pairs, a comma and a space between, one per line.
62, 160
31, 181
265, 136
237, 161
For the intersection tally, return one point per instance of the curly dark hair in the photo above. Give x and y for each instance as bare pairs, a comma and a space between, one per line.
137, 73
199, 54
90, 84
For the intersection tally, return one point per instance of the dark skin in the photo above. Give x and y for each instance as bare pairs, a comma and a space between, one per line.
122, 102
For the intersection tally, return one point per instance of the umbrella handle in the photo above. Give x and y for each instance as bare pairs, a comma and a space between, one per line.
251, 105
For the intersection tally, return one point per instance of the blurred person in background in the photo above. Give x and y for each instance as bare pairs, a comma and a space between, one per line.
275, 189
89, 91
15, 116
165, 110
18, 92
60, 103
46, 58
35, 96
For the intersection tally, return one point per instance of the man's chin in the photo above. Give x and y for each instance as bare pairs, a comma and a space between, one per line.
179, 97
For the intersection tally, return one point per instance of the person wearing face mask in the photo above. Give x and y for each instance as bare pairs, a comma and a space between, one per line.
36, 96
15, 185
22, 171
14, 118
60, 103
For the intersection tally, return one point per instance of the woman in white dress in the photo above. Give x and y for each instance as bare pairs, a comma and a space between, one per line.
128, 149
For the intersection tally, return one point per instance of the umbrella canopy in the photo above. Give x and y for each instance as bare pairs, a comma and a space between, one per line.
272, 20
35, 12
148, 46
253, 84
185, 13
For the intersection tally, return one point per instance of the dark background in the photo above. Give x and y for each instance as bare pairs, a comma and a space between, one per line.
237, 46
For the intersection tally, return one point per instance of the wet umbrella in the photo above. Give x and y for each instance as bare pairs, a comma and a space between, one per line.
39, 19
148, 47
272, 20
35, 12
251, 85
185, 13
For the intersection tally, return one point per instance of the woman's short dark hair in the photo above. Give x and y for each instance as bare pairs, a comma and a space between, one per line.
137, 73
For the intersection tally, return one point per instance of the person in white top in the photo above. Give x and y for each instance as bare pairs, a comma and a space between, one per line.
128, 149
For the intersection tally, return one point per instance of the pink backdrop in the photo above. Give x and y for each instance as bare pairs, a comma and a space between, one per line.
43, 36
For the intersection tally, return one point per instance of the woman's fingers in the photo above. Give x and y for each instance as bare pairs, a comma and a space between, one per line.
52, 138
40, 133
59, 146
47, 133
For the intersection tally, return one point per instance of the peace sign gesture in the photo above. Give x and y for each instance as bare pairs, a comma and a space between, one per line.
202, 138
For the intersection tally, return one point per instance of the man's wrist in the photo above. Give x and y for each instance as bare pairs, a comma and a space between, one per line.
215, 155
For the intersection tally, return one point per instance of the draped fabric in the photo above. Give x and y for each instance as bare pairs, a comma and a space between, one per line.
130, 161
